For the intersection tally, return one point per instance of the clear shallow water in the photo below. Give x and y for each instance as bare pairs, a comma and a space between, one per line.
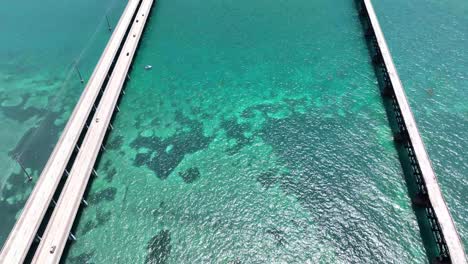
38, 85
259, 135
429, 41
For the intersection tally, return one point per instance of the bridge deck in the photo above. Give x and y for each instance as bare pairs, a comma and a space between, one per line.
455, 246
56, 234
23, 233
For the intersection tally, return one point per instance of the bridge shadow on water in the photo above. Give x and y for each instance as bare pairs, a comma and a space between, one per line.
435, 252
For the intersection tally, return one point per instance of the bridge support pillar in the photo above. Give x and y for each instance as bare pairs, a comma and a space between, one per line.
421, 200
71, 237
369, 33
387, 91
441, 260
400, 137
377, 59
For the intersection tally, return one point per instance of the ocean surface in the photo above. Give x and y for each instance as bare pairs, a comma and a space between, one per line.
259, 135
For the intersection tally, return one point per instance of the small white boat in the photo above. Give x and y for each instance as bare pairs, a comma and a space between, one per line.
148, 67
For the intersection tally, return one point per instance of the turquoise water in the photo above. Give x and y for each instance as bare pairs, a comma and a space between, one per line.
251, 140
258, 136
